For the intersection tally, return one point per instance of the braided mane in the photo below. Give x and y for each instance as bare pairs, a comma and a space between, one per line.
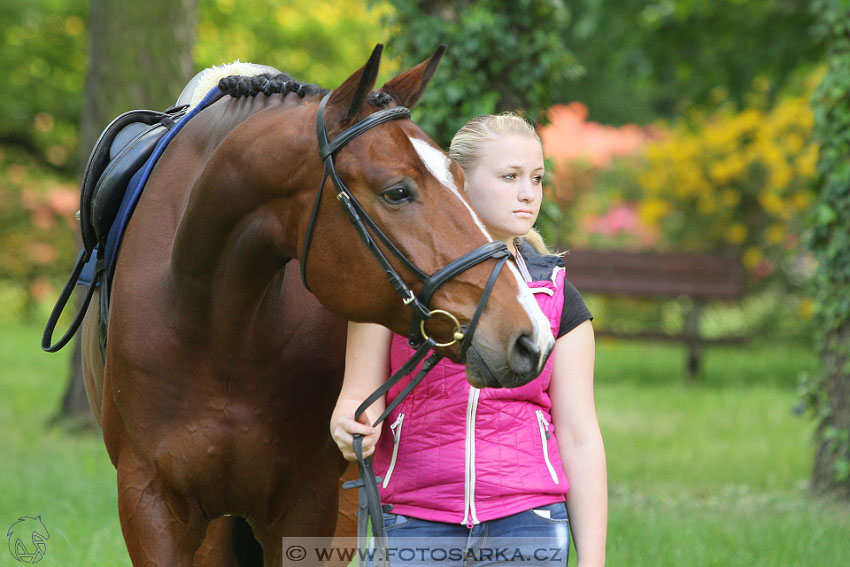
239, 86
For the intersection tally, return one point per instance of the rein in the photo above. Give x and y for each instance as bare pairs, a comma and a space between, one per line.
369, 506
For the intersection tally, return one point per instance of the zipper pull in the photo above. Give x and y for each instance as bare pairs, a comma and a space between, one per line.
395, 428
544, 425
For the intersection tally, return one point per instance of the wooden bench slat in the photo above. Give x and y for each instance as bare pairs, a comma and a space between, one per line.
654, 275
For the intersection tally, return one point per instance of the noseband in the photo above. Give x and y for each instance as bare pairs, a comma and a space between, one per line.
369, 498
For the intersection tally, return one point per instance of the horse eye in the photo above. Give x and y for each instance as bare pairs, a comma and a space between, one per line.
397, 194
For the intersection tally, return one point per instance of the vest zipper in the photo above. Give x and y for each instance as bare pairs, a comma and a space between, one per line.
395, 428
470, 517
545, 434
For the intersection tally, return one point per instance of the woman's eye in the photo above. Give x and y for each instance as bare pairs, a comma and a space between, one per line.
396, 195
509, 176
537, 179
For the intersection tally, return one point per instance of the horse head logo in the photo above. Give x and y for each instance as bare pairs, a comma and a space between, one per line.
27, 539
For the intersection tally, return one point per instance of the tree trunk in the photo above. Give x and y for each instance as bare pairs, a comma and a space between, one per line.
140, 56
833, 451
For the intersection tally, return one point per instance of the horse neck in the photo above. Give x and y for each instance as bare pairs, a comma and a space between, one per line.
241, 222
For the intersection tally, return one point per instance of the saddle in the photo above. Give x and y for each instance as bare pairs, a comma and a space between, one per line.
114, 178
120, 151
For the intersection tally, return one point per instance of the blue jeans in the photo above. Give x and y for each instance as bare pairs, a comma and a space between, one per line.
534, 537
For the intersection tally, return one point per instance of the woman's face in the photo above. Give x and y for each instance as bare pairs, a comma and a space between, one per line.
505, 186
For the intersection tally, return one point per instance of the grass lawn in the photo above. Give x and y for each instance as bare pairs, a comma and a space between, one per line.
706, 474
62, 475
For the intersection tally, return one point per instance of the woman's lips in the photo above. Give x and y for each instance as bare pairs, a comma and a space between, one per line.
525, 213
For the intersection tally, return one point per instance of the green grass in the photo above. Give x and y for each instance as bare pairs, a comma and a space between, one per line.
712, 473
52, 471
751, 364
706, 474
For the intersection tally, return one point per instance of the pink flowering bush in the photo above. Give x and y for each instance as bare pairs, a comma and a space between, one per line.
593, 183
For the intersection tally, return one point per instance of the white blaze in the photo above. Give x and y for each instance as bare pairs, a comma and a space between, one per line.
439, 165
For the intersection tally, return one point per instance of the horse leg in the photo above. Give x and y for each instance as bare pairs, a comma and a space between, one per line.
160, 527
217, 548
313, 514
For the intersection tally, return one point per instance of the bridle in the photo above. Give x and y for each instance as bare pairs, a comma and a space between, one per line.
418, 338
363, 223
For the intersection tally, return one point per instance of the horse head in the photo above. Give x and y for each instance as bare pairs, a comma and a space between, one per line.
408, 189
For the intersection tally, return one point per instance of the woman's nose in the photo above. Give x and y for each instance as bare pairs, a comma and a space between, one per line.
526, 192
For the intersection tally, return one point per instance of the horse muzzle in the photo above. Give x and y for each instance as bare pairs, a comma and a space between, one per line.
522, 362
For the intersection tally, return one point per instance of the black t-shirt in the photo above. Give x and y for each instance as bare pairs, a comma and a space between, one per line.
540, 267
575, 311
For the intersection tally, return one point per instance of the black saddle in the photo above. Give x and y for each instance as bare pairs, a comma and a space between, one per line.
119, 152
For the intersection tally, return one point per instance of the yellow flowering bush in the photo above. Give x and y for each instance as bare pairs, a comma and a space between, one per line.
740, 182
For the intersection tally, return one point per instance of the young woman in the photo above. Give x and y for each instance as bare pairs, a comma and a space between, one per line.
470, 465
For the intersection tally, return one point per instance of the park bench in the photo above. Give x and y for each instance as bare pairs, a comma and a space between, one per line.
649, 275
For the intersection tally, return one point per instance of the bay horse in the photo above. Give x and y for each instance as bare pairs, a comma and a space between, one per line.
221, 369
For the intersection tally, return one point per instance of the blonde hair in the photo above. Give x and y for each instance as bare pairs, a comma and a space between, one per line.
468, 143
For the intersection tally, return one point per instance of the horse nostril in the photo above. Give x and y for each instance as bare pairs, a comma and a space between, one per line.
524, 355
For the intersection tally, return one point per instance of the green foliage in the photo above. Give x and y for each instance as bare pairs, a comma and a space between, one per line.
646, 59
830, 243
321, 42
36, 230
502, 55
43, 61
44, 53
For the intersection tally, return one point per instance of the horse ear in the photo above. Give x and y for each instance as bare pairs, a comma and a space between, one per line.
408, 87
351, 94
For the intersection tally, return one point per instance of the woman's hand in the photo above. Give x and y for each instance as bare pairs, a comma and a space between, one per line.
367, 365
343, 429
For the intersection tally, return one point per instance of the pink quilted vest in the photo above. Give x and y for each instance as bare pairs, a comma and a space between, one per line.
453, 453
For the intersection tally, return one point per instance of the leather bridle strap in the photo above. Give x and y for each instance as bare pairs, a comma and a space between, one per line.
353, 209
469, 331
369, 499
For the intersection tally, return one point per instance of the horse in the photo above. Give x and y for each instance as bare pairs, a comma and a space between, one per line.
221, 369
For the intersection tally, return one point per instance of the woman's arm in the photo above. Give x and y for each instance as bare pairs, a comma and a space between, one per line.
367, 366
580, 442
